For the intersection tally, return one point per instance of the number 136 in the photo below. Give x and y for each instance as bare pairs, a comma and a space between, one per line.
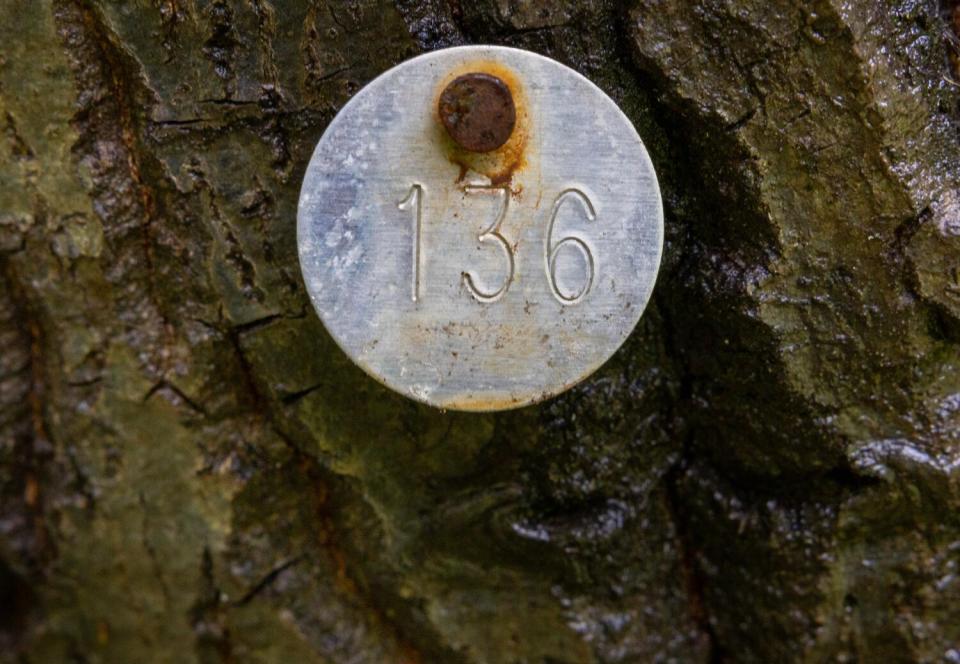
492, 235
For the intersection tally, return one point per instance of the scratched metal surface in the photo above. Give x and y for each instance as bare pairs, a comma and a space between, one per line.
480, 282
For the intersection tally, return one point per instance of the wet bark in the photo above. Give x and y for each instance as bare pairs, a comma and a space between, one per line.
768, 470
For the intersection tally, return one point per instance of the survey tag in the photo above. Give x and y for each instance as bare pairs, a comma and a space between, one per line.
480, 228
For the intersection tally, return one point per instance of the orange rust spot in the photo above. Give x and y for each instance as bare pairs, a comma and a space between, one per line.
478, 404
31, 491
409, 654
500, 165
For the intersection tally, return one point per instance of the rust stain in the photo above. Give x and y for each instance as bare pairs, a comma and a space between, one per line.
343, 580
480, 404
499, 165
31, 491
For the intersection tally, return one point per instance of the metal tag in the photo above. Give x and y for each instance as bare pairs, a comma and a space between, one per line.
480, 228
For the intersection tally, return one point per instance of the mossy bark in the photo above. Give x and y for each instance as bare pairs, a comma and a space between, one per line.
768, 470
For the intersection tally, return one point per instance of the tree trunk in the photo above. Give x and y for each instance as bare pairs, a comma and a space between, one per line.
768, 470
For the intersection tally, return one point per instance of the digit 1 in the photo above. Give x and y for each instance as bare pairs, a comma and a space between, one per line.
414, 200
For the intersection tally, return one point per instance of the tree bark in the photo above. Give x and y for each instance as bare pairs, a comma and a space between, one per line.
768, 470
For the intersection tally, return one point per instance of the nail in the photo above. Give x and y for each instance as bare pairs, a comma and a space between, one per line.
478, 112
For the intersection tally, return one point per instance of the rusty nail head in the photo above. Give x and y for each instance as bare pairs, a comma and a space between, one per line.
478, 112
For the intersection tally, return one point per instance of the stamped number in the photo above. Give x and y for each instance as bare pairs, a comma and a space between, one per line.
493, 234
414, 202
552, 249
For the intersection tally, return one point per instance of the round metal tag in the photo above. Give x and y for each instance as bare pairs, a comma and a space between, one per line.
480, 280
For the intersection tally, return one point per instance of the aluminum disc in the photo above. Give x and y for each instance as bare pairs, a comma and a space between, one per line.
480, 281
